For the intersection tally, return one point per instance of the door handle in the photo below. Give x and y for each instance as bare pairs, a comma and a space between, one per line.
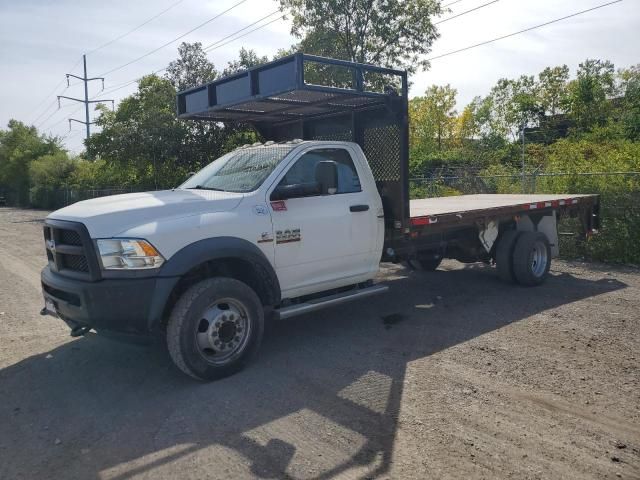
359, 208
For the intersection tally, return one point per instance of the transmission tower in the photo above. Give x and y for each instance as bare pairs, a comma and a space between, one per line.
86, 100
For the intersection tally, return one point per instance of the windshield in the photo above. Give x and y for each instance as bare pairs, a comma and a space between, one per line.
239, 171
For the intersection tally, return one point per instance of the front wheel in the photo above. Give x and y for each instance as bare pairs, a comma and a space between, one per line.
215, 328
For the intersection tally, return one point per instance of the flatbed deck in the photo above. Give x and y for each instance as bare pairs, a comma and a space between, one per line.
426, 211
468, 203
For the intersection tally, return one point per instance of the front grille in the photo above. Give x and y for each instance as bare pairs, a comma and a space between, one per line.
75, 262
69, 248
69, 237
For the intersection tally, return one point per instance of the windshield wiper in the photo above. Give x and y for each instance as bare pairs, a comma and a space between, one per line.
200, 187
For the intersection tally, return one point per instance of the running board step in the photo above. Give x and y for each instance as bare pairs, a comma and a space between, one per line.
337, 299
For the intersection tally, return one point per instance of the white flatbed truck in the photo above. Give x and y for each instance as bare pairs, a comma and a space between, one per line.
280, 228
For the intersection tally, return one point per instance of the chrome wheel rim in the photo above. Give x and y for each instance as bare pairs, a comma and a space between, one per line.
539, 259
223, 331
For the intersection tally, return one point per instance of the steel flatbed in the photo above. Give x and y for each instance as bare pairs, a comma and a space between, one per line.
427, 211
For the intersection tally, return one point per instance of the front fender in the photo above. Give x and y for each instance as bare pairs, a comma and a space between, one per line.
209, 249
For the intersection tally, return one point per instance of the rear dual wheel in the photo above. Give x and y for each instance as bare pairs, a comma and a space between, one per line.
523, 257
426, 262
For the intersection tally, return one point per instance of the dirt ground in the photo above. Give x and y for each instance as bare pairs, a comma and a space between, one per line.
450, 375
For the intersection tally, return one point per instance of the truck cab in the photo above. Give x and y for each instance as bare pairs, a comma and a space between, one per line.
280, 228
289, 219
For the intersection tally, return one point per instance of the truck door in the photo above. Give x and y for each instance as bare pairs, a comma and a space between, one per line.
324, 240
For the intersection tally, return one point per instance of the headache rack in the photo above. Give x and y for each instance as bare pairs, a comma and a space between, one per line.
316, 98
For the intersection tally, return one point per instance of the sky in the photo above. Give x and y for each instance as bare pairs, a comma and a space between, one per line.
42, 40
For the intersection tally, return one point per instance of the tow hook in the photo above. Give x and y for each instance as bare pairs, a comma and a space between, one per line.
79, 331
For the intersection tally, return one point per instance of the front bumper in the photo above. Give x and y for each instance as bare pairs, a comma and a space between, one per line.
131, 306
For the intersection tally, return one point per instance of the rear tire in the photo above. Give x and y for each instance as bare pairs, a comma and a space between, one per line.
215, 328
504, 255
425, 262
531, 258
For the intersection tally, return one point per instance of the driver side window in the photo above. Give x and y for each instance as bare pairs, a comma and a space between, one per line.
304, 170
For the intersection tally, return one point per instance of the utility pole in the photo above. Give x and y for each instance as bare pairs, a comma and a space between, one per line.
86, 100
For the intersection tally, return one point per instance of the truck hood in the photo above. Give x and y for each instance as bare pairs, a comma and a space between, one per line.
108, 216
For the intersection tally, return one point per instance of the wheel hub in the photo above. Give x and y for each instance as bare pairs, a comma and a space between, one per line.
222, 331
539, 259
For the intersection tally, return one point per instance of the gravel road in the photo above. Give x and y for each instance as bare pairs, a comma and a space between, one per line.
450, 375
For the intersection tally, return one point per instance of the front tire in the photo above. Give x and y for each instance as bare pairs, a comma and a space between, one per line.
215, 328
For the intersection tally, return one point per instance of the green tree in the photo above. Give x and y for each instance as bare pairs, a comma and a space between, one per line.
630, 88
191, 68
433, 117
19, 146
48, 175
51, 170
142, 134
246, 59
552, 89
590, 93
467, 127
391, 33
513, 105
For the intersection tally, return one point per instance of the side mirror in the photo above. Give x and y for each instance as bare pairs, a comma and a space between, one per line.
190, 174
327, 177
297, 190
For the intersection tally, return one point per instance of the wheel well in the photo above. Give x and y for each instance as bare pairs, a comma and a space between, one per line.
251, 273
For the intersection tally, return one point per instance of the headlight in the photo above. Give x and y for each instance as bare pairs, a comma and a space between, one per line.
128, 254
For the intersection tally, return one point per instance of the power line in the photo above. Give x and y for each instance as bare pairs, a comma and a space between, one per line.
53, 91
120, 37
52, 104
215, 45
64, 119
450, 3
51, 115
523, 31
464, 13
70, 134
174, 40
209, 47
104, 45
251, 31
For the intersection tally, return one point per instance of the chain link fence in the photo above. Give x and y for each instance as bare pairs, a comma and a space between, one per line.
471, 181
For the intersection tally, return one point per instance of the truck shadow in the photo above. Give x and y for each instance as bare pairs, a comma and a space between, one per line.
322, 399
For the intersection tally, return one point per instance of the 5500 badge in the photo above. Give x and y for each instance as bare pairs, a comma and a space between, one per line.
288, 235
